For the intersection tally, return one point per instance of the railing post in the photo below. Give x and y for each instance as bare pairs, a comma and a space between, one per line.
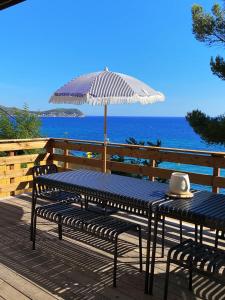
216, 173
104, 157
50, 150
66, 153
12, 167
152, 165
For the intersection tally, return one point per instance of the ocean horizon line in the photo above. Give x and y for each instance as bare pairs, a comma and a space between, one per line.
114, 116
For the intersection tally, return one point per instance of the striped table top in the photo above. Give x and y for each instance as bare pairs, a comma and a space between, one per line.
115, 186
205, 208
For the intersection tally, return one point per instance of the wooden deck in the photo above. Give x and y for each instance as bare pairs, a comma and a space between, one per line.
75, 269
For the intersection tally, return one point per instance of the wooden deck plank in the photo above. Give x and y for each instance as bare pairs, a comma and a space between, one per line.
27, 288
74, 268
8, 292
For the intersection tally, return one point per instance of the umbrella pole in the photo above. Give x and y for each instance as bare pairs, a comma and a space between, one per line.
105, 139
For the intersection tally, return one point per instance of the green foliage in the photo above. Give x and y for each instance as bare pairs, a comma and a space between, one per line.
218, 67
133, 141
135, 161
211, 130
6, 127
23, 125
209, 28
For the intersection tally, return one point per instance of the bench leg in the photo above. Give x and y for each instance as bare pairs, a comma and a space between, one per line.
190, 274
140, 246
190, 279
181, 231
34, 230
167, 277
32, 225
200, 234
217, 239
163, 236
196, 233
33, 205
85, 202
81, 203
60, 230
115, 263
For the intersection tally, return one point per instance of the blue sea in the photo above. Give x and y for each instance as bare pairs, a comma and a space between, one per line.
173, 132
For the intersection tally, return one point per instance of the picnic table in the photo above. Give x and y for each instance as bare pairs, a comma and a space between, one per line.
132, 195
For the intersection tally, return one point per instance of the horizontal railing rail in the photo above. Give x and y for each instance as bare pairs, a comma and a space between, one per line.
17, 159
213, 160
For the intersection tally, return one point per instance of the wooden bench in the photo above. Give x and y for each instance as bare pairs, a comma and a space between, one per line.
104, 227
203, 259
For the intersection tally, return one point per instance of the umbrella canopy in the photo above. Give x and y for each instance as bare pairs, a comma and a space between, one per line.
103, 88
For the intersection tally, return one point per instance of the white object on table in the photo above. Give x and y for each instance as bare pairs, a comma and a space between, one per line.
179, 183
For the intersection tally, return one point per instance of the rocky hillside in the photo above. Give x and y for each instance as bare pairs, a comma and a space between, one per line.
58, 112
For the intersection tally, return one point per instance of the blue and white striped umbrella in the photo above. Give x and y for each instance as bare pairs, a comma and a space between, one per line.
103, 88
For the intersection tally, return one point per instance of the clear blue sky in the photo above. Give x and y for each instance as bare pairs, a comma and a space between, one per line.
44, 44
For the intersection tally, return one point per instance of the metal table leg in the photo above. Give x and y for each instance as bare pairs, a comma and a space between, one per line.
33, 205
156, 218
148, 251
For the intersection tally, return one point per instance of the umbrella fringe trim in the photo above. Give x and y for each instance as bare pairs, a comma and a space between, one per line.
88, 99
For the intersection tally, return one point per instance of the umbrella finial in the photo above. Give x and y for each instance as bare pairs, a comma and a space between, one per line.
106, 69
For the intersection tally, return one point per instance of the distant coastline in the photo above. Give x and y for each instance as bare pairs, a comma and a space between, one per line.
58, 112
60, 116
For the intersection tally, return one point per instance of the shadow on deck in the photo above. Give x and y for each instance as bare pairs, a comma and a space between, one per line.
75, 269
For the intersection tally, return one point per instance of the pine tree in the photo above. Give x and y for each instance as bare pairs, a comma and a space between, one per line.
22, 125
210, 29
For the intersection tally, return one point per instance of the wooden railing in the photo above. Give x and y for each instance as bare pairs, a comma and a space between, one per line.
16, 159
15, 168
